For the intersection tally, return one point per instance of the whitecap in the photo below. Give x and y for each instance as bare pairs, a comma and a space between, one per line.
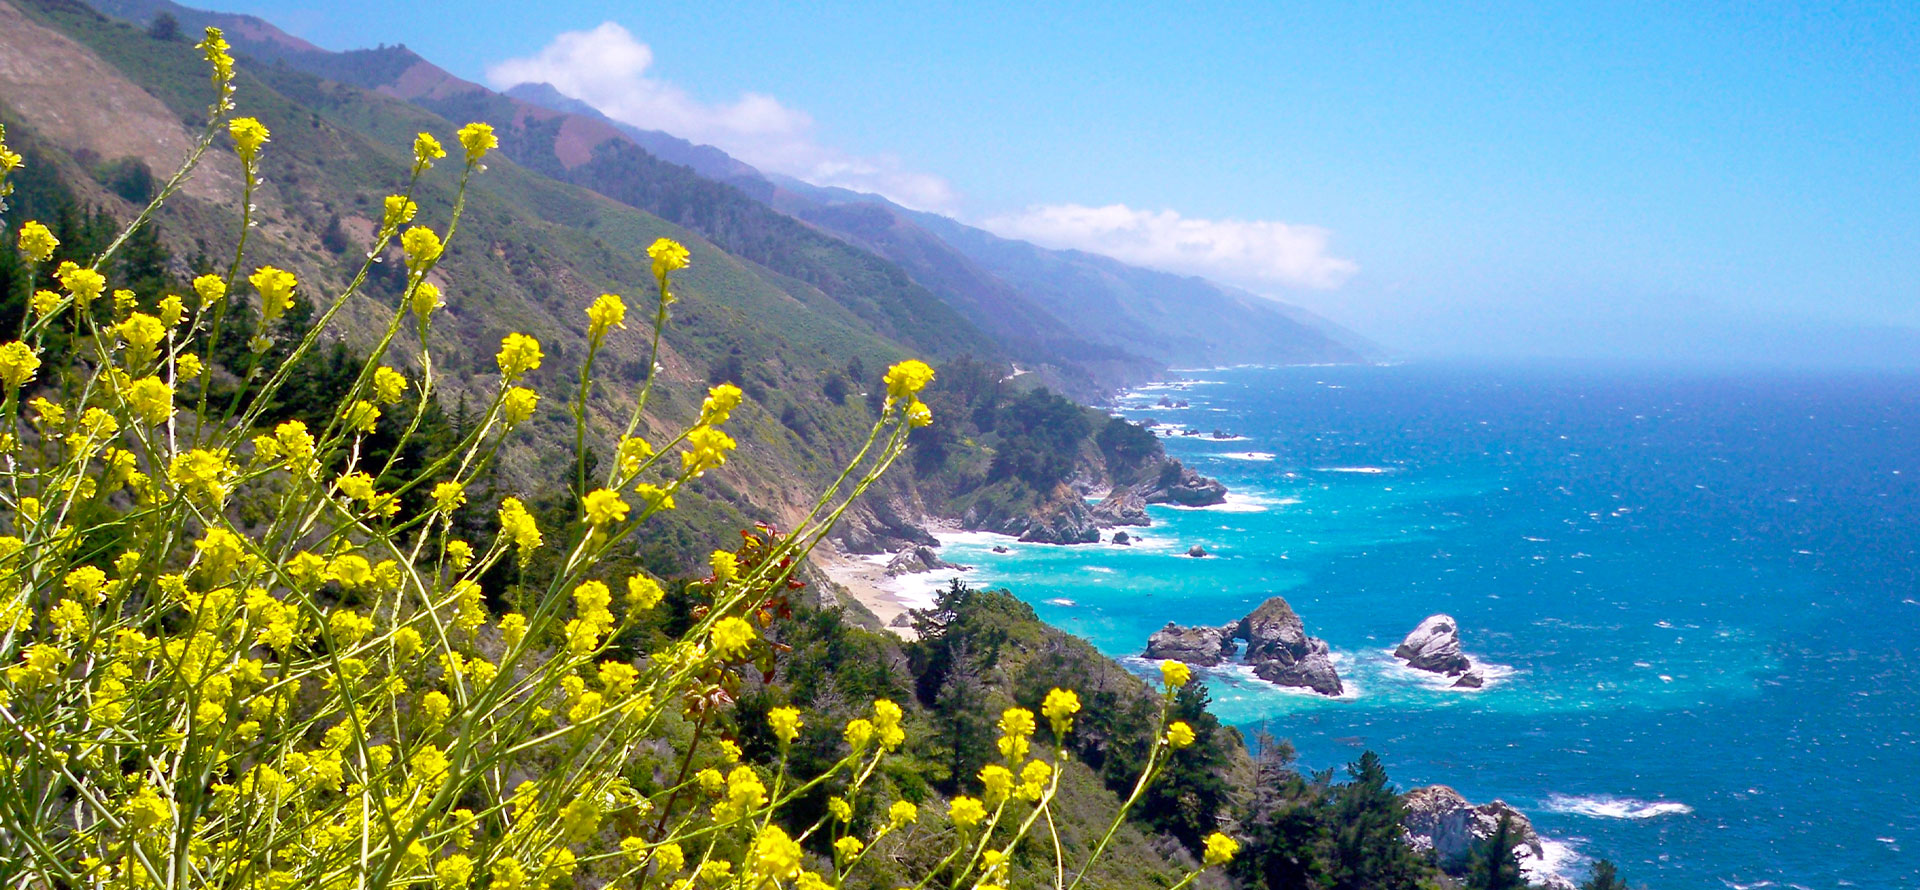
1492, 674
1369, 471
1606, 806
1555, 865
1235, 503
1247, 455
1060, 601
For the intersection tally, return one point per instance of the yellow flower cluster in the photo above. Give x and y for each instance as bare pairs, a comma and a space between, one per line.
276, 291
477, 138
248, 135
37, 241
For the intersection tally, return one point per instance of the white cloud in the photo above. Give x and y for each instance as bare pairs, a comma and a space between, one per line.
607, 68
1248, 252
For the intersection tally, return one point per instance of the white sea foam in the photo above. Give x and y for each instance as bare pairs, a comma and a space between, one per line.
1235, 503
1247, 455
1061, 601
1606, 806
1555, 866
1369, 471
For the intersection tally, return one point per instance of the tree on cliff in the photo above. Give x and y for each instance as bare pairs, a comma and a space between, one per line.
1367, 848
1605, 877
1496, 864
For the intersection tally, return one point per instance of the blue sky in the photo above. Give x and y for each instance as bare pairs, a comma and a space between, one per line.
1688, 181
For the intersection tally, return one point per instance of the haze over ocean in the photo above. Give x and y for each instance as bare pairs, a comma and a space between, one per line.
1699, 592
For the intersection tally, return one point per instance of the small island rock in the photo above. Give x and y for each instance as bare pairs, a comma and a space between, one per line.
1435, 646
1122, 538
1199, 646
1281, 652
1196, 551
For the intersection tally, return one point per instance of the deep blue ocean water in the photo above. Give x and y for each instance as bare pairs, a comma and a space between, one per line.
1700, 594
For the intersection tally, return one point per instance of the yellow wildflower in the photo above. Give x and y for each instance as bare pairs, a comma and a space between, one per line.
147, 809
966, 812
846, 848
903, 812
151, 398
719, 405
449, 496
707, 448
1220, 849
172, 309
518, 525
426, 150
732, 636
655, 497
248, 135
607, 312
143, 334
919, 415
997, 781
188, 365
670, 857
1059, 707
603, 507
725, 565
518, 355
786, 724
1179, 735
422, 246
214, 50
37, 241
44, 302
668, 256
1033, 779
426, 298
397, 210
477, 138
775, 855
859, 733
1175, 673
517, 406
388, 385
361, 416
633, 451
18, 364
643, 593
210, 288
276, 291
907, 379
81, 284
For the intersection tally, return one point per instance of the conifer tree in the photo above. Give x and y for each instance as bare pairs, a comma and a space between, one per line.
1605, 877
1368, 850
1496, 865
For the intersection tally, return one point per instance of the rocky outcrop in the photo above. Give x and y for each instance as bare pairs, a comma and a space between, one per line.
1278, 648
914, 560
1201, 646
1440, 820
881, 526
1063, 520
1122, 538
1196, 551
1280, 651
1179, 484
1173, 483
1435, 646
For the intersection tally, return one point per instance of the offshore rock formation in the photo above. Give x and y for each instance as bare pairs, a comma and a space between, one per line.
1434, 646
1278, 648
1440, 820
1203, 646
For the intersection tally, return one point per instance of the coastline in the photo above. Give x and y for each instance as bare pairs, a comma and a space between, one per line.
863, 576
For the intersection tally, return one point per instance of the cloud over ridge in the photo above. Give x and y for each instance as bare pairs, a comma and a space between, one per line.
606, 67
1249, 252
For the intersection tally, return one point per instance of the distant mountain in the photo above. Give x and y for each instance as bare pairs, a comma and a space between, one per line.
1087, 322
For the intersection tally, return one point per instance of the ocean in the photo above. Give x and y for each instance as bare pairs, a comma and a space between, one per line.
1697, 594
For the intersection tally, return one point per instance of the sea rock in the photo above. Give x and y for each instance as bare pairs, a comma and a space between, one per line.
914, 560
1200, 646
1178, 484
1280, 651
1000, 548
1440, 820
1435, 646
1196, 551
882, 525
1122, 538
1470, 680
1064, 519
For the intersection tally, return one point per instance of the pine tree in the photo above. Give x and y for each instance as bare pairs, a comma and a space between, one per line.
1605, 877
1369, 849
1496, 863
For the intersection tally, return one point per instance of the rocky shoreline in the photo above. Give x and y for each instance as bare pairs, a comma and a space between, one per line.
1434, 647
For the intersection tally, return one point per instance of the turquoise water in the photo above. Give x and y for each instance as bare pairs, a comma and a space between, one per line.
1697, 593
